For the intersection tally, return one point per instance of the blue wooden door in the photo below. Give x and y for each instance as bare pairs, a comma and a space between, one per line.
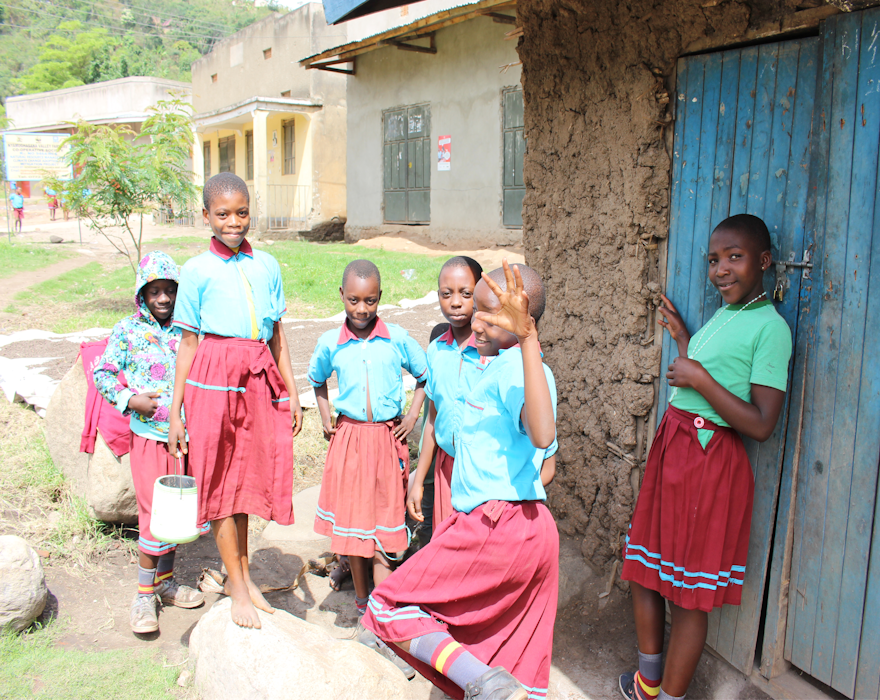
831, 460
741, 145
790, 132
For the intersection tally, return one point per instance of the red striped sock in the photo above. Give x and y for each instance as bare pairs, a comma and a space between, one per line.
645, 690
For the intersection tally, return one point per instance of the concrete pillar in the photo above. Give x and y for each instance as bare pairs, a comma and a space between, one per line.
198, 159
261, 169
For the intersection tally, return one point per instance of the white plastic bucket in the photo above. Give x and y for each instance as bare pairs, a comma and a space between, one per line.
175, 509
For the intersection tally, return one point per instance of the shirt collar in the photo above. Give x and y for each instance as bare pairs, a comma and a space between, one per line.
223, 251
380, 330
449, 339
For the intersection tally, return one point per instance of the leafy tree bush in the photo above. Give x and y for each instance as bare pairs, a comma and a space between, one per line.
122, 175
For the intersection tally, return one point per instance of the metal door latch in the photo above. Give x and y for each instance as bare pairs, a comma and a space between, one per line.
806, 265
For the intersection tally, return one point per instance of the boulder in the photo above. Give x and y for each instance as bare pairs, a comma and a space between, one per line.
23, 591
287, 659
102, 479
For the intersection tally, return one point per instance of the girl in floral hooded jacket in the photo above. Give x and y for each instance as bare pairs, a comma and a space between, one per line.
143, 347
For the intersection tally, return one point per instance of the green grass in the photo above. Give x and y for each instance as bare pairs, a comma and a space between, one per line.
98, 296
312, 273
24, 257
31, 666
35, 501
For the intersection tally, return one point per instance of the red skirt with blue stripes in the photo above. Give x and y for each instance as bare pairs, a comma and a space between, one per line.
490, 578
239, 424
689, 535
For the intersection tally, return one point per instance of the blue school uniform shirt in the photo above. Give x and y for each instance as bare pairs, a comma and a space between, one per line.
494, 458
17, 200
379, 357
452, 372
212, 298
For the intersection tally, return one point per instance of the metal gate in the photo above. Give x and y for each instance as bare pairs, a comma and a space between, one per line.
790, 132
407, 165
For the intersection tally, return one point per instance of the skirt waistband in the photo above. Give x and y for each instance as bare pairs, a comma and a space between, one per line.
693, 419
234, 340
342, 418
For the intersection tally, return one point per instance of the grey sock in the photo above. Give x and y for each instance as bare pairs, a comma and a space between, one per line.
666, 696
651, 667
145, 581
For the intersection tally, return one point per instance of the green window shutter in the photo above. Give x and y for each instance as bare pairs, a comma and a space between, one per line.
249, 151
513, 185
406, 164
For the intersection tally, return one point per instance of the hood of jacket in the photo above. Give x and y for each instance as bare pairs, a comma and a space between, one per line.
153, 266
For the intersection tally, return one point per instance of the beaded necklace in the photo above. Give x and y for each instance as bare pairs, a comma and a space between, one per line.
700, 345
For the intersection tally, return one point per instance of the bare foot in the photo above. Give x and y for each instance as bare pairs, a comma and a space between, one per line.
243, 612
257, 598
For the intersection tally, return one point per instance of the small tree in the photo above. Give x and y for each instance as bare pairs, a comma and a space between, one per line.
121, 174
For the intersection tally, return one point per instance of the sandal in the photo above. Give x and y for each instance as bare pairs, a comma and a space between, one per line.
340, 574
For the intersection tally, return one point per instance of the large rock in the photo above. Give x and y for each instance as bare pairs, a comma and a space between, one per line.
288, 659
23, 591
102, 479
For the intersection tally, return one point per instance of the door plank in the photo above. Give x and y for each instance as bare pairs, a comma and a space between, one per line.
690, 77
786, 231
795, 309
816, 210
841, 235
705, 147
820, 522
860, 263
868, 670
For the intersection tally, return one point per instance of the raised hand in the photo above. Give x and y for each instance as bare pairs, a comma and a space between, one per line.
513, 316
673, 323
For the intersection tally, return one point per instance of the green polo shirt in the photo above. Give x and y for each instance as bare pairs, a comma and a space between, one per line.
738, 350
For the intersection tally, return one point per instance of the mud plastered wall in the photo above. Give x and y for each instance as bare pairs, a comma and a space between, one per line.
597, 75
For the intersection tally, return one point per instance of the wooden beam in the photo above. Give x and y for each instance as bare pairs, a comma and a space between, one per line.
327, 66
790, 24
499, 18
332, 63
403, 46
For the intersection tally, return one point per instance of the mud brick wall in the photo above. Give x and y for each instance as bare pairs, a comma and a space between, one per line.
597, 81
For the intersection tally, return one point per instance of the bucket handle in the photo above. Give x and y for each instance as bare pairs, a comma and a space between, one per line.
179, 467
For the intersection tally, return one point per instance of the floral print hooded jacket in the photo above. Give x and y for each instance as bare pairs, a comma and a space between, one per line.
144, 351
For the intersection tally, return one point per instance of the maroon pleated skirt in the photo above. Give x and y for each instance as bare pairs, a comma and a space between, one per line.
442, 488
239, 424
362, 504
689, 535
491, 579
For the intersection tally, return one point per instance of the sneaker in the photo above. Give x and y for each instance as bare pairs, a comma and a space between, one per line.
172, 593
495, 684
143, 616
368, 639
627, 685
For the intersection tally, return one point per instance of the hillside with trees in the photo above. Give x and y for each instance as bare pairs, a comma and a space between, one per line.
64, 43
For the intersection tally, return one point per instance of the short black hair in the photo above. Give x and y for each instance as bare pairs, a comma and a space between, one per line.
750, 226
534, 287
464, 261
437, 331
364, 269
224, 183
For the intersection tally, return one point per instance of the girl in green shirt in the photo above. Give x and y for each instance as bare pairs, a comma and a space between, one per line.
689, 536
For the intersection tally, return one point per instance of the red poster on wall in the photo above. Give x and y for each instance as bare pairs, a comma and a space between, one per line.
444, 153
